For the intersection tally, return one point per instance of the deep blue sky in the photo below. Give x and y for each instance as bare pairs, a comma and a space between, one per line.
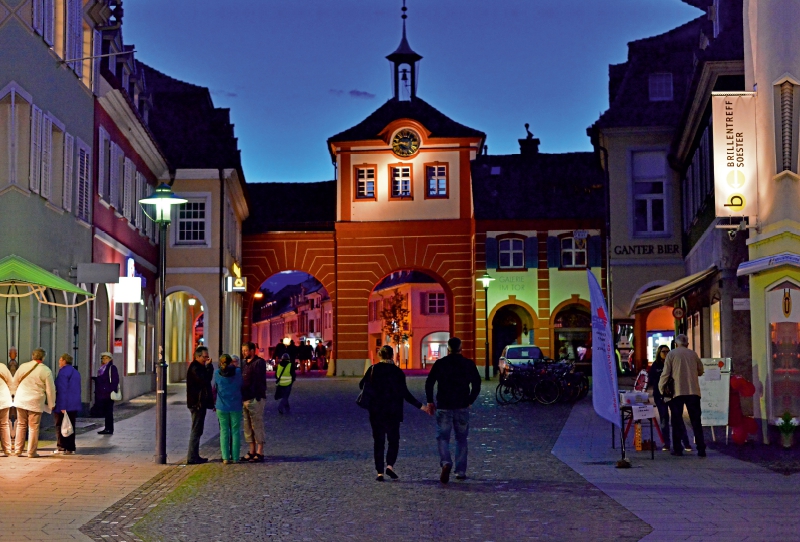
286, 68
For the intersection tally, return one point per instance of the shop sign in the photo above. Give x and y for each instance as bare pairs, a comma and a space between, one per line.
645, 250
235, 284
735, 167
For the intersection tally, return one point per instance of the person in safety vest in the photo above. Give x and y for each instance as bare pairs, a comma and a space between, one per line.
284, 378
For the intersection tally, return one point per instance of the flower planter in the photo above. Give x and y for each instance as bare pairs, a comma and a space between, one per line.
787, 439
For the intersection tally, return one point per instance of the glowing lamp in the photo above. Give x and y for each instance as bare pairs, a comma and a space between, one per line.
258, 295
163, 199
192, 301
485, 280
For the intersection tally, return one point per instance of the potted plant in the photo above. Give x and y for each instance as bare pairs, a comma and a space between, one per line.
786, 424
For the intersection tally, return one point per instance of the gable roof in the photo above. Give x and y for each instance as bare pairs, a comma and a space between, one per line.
568, 186
291, 207
439, 124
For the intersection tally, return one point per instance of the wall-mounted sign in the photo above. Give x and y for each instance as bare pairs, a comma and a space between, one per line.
580, 234
741, 303
98, 273
678, 313
237, 271
645, 250
235, 284
128, 290
735, 168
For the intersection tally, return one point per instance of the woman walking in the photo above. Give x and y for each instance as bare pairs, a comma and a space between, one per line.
106, 382
68, 402
389, 390
653, 376
5, 409
228, 383
285, 376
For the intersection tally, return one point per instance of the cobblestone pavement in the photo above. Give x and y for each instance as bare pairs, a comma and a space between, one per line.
51, 497
318, 481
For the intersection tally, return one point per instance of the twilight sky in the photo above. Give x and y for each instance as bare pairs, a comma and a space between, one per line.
295, 72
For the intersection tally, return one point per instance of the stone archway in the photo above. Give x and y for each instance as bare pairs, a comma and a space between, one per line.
525, 319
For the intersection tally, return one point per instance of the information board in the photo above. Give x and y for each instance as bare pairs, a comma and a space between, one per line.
715, 391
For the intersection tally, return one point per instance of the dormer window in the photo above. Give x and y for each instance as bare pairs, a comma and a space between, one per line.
660, 87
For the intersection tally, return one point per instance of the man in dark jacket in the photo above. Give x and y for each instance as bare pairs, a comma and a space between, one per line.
199, 397
254, 394
459, 384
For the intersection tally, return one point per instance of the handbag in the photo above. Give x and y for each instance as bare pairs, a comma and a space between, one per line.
66, 426
669, 389
116, 395
367, 395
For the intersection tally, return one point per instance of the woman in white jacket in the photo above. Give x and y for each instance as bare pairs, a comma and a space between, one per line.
34, 393
5, 409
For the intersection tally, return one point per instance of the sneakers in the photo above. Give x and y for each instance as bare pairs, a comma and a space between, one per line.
391, 473
461, 476
445, 476
105, 432
665, 448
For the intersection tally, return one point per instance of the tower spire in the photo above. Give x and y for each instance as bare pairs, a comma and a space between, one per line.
404, 55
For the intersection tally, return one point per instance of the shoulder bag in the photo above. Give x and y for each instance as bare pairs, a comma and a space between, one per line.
669, 389
367, 395
116, 395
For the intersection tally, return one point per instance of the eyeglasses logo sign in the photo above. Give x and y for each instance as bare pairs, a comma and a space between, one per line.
787, 303
735, 179
735, 203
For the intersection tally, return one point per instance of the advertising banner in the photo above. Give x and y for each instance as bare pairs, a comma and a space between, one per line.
605, 390
735, 168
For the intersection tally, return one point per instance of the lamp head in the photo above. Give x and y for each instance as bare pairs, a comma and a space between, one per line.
192, 301
485, 280
163, 199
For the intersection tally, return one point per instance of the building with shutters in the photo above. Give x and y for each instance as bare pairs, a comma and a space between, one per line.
128, 165
46, 145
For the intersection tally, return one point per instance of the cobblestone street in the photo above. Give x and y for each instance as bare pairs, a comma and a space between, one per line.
318, 481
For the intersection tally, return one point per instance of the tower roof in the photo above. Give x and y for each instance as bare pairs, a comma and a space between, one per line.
404, 54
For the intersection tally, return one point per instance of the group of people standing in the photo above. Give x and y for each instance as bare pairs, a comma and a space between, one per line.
237, 391
27, 391
305, 354
675, 379
458, 384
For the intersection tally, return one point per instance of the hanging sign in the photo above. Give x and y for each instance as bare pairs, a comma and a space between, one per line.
735, 168
235, 284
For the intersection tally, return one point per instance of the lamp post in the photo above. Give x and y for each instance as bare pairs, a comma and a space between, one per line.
163, 199
485, 280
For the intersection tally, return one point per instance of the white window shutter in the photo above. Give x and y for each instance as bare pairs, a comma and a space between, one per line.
128, 170
36, 148
46, 187
48, 20
84, 184
36, 12
69, 167
97, 50
140, 182
113, 176
102, 169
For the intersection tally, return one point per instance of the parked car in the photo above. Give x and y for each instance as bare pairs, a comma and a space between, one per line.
517, 354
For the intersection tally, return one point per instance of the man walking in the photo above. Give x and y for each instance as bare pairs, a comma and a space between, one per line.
34, 392
254, 394
458, 385
199, 398
685, 368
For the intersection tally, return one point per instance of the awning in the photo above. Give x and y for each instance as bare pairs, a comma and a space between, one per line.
768, 262
19, 272
664, 294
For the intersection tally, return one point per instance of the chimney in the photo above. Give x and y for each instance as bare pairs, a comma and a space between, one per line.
530, 145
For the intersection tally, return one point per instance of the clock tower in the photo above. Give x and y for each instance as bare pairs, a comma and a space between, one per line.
405, 63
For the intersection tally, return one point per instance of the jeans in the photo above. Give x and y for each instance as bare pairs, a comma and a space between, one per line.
65, 443
198, 421
230, 438
253, 413
27, 422
383, 430
446, 421
283, 405
692, 403
107, 409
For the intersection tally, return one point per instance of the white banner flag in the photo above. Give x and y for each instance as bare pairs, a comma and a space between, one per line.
605, 390
735, 168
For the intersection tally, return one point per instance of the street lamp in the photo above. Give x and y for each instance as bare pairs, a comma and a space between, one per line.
163, 199
485, 280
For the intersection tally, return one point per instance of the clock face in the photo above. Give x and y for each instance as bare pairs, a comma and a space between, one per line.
405, 143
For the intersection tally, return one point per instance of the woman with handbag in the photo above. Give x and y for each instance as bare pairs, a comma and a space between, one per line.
68, 403
106, 389
653, 376
384, 388
228, 404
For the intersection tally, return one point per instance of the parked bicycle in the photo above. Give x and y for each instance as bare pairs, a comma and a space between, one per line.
545, 381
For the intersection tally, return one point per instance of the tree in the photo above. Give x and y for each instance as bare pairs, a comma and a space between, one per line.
395, 318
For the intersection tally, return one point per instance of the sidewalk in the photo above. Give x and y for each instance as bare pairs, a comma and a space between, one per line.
49, 498
683, 498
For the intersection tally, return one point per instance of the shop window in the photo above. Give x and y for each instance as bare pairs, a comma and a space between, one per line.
573, 253
191, 223
660, 87
365, 182
511, 253
401, 182
436, 182
649, 193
